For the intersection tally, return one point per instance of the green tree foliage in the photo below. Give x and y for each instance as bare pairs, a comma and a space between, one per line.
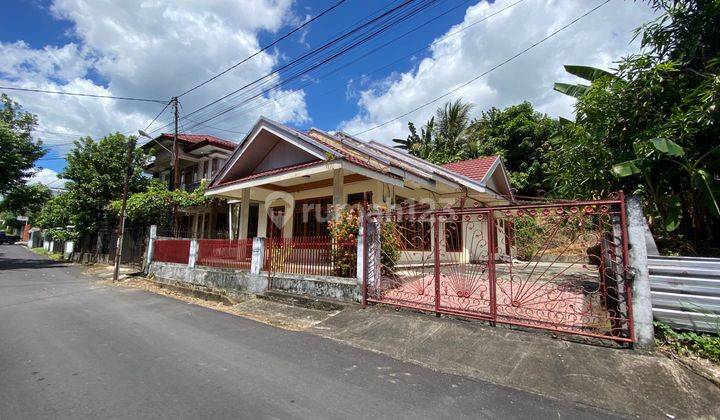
443, 139
95, 172
653, 127
152, 206
19, 150
26, 200
518, 134
55, 214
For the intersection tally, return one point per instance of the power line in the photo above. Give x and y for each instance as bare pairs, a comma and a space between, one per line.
277, 40
337, 69
158, 115
309, 54
487, 71
59, 133
124, 98
361, 41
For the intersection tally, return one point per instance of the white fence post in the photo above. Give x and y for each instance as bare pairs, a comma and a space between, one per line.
641, 304
258, 255
150, 247
69, 249
194, 246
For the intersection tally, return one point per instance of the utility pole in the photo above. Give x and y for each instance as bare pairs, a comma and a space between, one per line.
176, 161
176, 154
128, 173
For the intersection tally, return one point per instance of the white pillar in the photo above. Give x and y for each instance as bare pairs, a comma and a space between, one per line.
641, 304
338, 191
258, 255
262, 220
69, 249
196, 218
232, 221
287, 226
192, 259
244, 213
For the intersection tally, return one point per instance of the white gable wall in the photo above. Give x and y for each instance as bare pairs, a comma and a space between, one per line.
282, 155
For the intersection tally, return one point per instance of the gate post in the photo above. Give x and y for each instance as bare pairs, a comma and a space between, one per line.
258, 256
361, 260
641, 302
491, 265
194, 247
372, 256
436, 257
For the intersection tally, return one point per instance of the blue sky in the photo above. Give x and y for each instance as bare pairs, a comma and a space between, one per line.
160, 48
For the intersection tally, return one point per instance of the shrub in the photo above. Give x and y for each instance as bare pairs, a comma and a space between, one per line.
688, 343
344, 232
389, 244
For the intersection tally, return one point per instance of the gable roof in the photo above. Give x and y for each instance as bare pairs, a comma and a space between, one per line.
476, 169
373, 156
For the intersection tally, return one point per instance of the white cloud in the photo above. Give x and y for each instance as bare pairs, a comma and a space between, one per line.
148, 49
598, 40
47, 177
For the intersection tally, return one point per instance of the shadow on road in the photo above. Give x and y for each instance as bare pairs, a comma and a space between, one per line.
25, 263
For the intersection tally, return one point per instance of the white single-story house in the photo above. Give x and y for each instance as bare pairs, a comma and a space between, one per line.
278, 178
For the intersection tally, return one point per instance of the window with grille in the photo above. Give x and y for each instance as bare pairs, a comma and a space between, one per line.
310, 217
413, 225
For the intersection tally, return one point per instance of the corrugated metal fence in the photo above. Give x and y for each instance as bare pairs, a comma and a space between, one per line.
686, 291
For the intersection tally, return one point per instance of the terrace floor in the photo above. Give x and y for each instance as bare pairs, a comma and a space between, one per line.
562, 296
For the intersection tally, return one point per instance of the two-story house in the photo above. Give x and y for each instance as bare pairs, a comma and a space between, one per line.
201, 156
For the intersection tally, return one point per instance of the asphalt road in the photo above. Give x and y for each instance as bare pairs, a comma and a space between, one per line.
70, 347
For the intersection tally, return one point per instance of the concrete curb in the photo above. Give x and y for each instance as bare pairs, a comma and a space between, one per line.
192, 292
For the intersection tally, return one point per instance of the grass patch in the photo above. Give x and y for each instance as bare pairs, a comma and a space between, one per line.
688, 343
52, 255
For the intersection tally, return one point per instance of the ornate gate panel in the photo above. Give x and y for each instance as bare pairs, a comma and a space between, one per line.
465, 263
400, 258
563, 267
556, 266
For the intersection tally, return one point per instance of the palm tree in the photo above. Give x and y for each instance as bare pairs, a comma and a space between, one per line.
453, 119
442, 139
420, 145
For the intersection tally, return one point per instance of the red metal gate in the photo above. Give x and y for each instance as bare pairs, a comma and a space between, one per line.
556, 266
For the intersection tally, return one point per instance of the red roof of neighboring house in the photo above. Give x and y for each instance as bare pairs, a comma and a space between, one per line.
475, 169
199, 138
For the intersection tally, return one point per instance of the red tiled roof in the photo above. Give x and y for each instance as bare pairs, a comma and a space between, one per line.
475, 169
198, 138
268, 172
343, 153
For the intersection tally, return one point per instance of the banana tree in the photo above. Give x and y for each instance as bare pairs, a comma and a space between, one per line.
700, 179
584, 72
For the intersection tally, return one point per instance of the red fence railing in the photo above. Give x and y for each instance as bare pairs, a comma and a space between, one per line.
225, 253
315, 255
172, 250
